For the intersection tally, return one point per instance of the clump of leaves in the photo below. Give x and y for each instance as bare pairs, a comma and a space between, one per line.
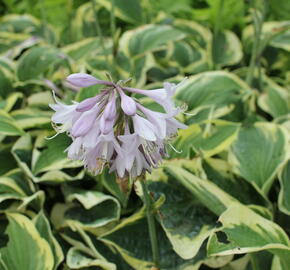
223, 203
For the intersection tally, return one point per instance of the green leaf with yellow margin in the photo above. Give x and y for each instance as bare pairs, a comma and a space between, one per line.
8, 125
42, 225
210, 195
148, 38
247, 232
227, 49
32, 118
78, 259
127, 10
216, 88
91, 209
216, 137
284, 195
15, 187
26, 249
34, 62
275, 99
185, 221
130, 239
259, 152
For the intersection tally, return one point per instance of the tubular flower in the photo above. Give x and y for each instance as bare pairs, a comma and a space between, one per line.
113, 129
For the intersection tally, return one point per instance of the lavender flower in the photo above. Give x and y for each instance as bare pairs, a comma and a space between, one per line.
114, 129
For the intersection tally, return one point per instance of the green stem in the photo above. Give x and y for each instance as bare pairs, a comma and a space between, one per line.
43, 19
151, 223
114, 38
99, 32
217, 29
256, 50
113, 26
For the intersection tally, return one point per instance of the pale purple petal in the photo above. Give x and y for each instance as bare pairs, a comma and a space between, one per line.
87, 104
84, 123
144, 128
63, 113
119, 166
130, 144
172, 125
157, 119
128, 104
106, 126
74, 150
85, 80
82, 80
110, 110
154, 94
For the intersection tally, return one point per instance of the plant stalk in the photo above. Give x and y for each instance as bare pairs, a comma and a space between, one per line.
256, 49
216, 31
113, 26
151, 223
44, 20
99, 32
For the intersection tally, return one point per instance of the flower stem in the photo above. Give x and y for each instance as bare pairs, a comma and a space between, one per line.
99, 32
151, 223
44, 20
216, 31
113, 27
258, 18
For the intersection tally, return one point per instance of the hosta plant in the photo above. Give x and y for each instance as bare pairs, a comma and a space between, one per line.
77, 193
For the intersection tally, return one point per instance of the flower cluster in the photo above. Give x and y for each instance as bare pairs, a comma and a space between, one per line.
114, 129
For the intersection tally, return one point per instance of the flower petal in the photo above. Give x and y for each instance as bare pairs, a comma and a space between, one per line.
157, 119
110, 110
128, 104
87, 104
82, 80
84, 123
144, 128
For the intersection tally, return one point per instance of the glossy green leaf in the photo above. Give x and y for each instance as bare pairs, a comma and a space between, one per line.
217, 88
227, 49
280, 11
195, 31
53, 156
44, 229
36, 61
8, 125
130, 239
6, 78
217, 136
37, 254
284, 198
14, 187
94, 209
77, 259
12, 100
189, 57
128, 10
275, 100
258, 153
219, 172
148, 38
246, 231
83, 48
32, 118
186, 223
210, 195
230, 12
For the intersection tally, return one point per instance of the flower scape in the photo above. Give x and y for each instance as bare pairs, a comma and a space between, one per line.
115, 129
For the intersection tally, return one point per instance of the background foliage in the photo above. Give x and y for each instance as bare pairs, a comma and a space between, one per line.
223, 203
